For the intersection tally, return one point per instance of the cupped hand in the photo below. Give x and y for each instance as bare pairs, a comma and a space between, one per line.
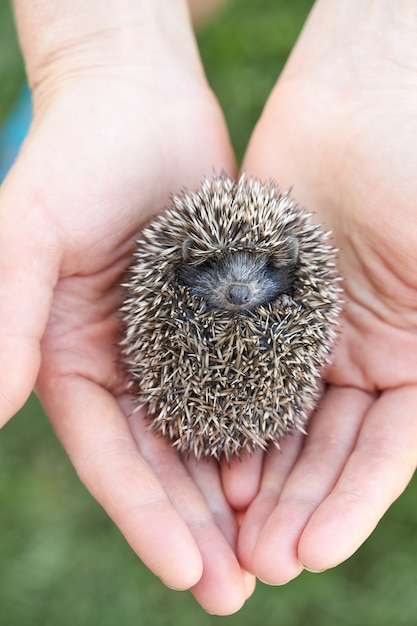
340, 127
108, 144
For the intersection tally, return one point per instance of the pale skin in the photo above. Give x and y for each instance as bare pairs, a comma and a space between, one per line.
340, 127
123, 117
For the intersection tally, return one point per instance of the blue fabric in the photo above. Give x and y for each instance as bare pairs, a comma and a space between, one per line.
14, 132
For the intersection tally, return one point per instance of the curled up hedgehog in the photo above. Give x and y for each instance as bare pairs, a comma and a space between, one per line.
229, 317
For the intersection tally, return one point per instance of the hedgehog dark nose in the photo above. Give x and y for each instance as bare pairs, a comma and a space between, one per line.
238, 294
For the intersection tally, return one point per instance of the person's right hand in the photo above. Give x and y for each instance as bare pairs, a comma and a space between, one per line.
123, 117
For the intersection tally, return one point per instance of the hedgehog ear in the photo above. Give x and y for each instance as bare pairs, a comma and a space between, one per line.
186, 249
293, 248
288, 254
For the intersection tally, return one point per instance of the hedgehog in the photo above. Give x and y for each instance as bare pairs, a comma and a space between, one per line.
229, 317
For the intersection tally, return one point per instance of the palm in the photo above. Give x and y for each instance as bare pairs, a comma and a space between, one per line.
315, 503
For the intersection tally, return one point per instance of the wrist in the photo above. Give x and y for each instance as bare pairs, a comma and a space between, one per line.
70, 36
349, 32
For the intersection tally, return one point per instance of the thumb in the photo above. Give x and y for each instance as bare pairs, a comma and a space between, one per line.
29, 265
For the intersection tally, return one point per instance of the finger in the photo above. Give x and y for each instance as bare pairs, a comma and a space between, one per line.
95, 433
276, 468
377, 472
29, 264
206, 476
221, 589
332, 435
241, 478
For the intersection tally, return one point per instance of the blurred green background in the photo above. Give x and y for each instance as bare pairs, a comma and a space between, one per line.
62, 562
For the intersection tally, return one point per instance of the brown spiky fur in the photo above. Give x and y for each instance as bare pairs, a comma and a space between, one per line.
217, 381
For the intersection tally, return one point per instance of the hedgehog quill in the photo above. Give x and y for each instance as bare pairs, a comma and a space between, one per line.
229, 317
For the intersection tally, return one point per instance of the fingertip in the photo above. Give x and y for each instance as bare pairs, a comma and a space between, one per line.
181, 569
28, 274
267, 556
222, 589
163, 542
335, 532
19, 365
179, 582
273, 568
230, 602
249, 580
241, 479
274, 553
251, 525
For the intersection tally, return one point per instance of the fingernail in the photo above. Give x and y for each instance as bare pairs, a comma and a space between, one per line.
312, 571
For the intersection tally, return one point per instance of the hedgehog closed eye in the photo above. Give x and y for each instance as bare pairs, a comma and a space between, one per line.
229, 318
238, 280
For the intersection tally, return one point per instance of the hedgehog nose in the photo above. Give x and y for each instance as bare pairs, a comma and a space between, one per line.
238, 294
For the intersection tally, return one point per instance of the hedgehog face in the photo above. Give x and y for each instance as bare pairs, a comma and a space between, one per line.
239, 280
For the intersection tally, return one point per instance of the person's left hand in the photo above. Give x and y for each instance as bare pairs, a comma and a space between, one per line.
339, 127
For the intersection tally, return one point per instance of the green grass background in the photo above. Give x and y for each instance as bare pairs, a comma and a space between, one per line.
62, 562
